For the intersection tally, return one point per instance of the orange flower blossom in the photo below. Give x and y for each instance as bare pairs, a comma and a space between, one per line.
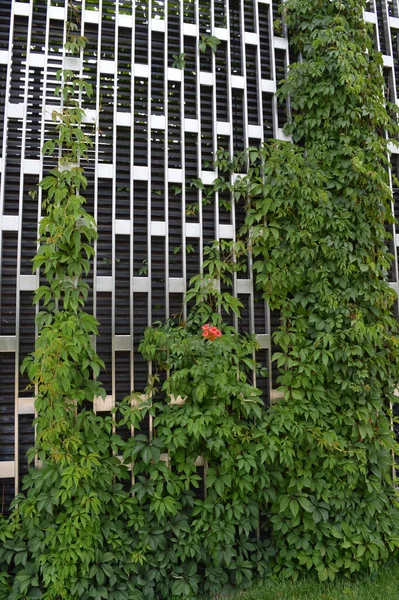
210, 333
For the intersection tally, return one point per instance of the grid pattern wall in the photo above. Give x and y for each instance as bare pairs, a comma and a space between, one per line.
160, 109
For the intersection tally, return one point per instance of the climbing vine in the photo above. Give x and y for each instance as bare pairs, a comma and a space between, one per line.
304, 486
317, 213
65, 531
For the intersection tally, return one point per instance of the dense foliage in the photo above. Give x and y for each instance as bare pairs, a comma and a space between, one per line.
318, 210
66, 531
305, 486
201, 538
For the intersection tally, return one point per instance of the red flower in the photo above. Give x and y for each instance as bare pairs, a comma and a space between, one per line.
210, 333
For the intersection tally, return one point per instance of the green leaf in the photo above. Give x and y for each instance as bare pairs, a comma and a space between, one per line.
294, 507
305, 503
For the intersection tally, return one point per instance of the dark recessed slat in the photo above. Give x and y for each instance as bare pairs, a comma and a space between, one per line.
122, 284
7, 404
252, 85
222, 100
8, 283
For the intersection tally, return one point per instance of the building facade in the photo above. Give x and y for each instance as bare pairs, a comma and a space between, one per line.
164, 101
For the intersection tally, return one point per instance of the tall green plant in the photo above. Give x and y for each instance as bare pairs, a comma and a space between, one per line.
317, 215
196, 538
66, 536
195, 532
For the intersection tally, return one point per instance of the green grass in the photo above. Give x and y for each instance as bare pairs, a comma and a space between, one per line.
384, 586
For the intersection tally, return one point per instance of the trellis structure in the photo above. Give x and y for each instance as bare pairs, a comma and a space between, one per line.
161, 108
